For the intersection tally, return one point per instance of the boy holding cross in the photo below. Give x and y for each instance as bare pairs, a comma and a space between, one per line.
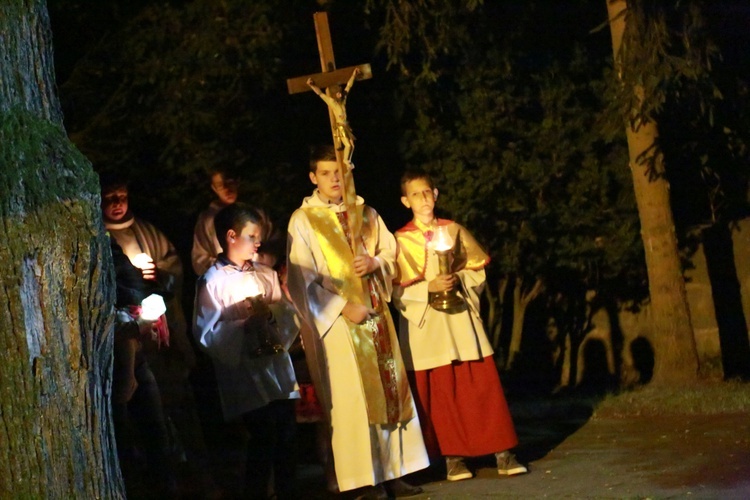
349, 339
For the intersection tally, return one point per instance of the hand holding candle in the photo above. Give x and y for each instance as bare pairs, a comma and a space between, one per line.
257, 307
252, 288
152, 307
259, 322
253, 291
146, 264
442, 283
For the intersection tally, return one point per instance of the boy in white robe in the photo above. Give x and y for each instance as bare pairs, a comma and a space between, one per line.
351, 348
234, 325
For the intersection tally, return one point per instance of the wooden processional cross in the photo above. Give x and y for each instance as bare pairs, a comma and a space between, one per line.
330, 78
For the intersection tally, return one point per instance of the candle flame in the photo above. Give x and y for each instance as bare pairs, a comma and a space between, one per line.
141, 260
251, 286
442, 240
153, 307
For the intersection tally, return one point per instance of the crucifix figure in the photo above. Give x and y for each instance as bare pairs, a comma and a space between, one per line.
337, 105
332, 80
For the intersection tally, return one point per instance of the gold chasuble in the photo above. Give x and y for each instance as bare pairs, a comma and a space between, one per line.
382, 370
414, 241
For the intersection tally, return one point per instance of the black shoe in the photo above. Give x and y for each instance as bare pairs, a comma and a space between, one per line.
376, 492
401, 489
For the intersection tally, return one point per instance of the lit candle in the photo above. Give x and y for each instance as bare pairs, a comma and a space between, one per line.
251, 287
447, 300
442, 240
153, 307
141, 260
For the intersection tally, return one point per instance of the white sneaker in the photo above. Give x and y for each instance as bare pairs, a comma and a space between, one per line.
507, 465
457, 469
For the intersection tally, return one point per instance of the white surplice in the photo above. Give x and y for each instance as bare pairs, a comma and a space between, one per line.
364, 454
246, 382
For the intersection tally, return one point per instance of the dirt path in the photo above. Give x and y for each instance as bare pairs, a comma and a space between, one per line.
666, 457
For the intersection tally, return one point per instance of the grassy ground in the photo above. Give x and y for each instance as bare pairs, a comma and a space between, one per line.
705, 398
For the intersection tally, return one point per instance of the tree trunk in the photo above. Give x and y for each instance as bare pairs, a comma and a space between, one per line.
495, 311
56, 292
521, 302
676, 357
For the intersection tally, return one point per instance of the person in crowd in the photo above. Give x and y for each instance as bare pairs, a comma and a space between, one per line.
171, 357
449, 359
234, 324
206, 247
136, 402
349, 339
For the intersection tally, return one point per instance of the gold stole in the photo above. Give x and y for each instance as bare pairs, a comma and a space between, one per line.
413, 248
386, 388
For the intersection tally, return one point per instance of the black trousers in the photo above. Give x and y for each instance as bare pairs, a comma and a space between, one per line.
271, 448
140, 423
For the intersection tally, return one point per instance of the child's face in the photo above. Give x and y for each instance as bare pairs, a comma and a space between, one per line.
326, 177
244, 246
115, 204
225, 189
420, 197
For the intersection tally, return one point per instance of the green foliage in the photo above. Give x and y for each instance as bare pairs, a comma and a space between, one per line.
180, 89
672, 72
510, 131
665, 53
415, 34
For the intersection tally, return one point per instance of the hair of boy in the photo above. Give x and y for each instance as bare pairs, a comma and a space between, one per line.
321, 152
234, 217
413, 175
227, 171
110, 182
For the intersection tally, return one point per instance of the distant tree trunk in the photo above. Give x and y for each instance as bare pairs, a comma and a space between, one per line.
676, 357
521, 301
56, 285
495, 310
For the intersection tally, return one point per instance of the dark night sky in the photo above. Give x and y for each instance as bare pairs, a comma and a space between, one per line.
378, 161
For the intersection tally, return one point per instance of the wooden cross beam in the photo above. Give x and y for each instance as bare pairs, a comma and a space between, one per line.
329, 79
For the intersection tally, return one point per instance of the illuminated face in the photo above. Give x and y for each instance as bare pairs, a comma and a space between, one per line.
326, 177
225, 189
115, 204
420, 197
244, 246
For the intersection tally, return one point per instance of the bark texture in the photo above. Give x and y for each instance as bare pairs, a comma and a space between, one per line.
676, 357
56, 288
